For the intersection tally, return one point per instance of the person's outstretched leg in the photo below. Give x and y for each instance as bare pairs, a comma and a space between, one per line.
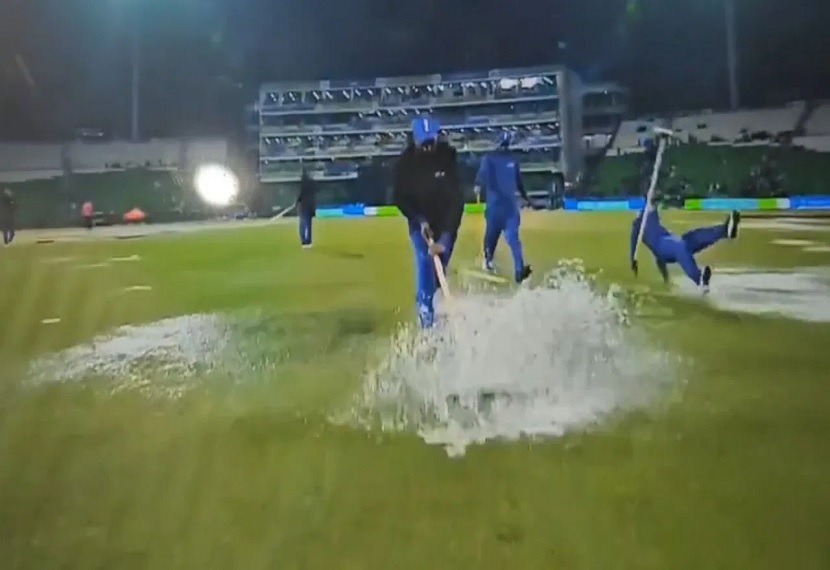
687, 262
701, 238
672, 249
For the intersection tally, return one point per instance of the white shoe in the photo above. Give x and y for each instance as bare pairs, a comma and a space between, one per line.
488, 266
307, 246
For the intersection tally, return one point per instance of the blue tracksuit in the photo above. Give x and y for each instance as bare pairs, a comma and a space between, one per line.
500, 179
669, 248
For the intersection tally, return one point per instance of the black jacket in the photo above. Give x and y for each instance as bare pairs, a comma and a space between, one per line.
307, 198
427, 188
8, 206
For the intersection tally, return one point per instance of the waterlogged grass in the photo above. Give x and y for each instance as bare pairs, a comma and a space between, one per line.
245, 472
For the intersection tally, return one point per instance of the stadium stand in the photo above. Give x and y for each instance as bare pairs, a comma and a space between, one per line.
817, 143
22, 161
632, 134
819, 121
756, 126
771, 152
342, 131
815, 134
706, 170
348, 134
51, 181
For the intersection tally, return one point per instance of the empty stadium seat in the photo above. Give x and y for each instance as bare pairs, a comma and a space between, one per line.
730, 127
817, 143
631, 134
819, 121
100, 157
30, 157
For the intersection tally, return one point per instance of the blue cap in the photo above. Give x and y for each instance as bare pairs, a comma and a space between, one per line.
505, 138
425, 129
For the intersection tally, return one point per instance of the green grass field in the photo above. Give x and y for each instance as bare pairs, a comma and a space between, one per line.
236, 466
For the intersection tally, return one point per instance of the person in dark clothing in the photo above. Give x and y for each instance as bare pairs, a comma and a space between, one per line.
428, 193
8, 208
306, 207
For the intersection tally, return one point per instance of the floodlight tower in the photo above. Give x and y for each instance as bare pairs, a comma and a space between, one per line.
135, 62
131, 9
731, 53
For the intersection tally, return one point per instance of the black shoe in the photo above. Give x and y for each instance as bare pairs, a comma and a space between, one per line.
705, 277
732, 223
524, 274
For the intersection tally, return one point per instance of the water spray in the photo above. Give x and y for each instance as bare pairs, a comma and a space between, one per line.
536, 362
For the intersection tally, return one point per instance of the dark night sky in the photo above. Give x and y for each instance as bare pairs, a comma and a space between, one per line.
202, 59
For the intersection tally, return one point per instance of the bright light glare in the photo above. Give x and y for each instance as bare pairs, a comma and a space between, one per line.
215, 184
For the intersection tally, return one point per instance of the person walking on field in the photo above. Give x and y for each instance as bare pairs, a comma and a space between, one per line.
88, 213
8, 209
306, 207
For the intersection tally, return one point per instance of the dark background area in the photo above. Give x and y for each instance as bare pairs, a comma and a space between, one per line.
66, 63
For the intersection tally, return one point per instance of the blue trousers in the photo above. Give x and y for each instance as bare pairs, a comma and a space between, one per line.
507, 222
681, 250
305, 228
426, 281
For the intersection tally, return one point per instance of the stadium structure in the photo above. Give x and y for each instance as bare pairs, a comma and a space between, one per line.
52, 180
348, 134
344, 131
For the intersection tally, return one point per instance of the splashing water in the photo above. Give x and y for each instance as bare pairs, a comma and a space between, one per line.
538, 362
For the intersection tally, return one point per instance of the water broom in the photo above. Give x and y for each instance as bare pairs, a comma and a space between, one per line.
283, 213
663, 136
439, 271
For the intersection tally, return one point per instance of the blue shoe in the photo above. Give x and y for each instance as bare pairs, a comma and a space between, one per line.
426, 317
732, 223
523, 274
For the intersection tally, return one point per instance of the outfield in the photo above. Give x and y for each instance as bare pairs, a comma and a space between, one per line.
205, 441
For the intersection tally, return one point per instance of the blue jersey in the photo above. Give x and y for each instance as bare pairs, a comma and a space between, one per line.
500, 179
652, 234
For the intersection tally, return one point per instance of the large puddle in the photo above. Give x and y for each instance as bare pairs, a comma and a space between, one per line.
788, 224
166, 357
801, 293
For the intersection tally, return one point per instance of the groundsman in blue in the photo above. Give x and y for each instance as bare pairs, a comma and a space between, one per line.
667, 247
428, 193
499, 179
